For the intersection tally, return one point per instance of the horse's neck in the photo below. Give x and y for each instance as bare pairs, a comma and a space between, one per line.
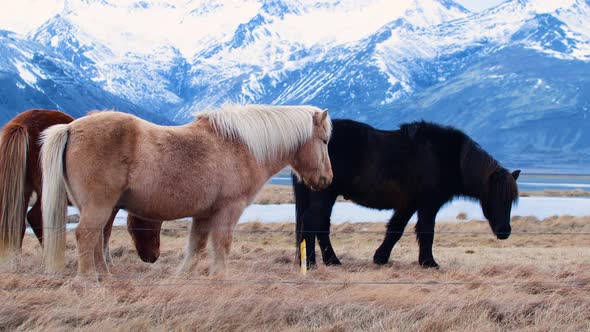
270, 168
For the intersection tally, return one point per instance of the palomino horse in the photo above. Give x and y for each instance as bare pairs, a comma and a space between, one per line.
418, 168
20, 176
210, 170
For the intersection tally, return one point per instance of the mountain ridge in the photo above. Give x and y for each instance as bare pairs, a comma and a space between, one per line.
372, 61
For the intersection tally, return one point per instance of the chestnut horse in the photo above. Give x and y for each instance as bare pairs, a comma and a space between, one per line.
210, 170
20, 176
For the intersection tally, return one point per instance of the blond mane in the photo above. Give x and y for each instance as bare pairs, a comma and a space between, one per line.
268, 131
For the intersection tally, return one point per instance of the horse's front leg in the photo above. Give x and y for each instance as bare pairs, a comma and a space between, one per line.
395, 230
34, 218
425, 236
323, 232
197, 244
223, 223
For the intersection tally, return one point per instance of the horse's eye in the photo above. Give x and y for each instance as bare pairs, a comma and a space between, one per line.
325, 141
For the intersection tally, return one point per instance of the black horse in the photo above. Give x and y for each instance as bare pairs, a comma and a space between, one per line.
417, 168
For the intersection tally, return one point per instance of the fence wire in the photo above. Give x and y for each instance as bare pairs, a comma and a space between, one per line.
114, 281
172, 281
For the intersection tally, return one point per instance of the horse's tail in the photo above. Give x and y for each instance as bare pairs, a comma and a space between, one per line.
14, 144
301, 201
54, 203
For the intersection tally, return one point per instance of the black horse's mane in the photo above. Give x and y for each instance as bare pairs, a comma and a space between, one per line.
476, 164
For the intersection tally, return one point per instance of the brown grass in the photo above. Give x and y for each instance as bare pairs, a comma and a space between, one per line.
524, 283
277, 194
557, 193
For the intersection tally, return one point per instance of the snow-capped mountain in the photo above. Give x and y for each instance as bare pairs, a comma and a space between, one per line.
32, 76
514, 76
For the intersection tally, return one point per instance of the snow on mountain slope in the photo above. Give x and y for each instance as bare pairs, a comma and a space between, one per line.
33, 76
498, 71
295, 56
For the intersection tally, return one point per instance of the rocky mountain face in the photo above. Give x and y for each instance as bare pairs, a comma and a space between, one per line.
515, 77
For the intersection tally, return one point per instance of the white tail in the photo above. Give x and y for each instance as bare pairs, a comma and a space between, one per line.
55, 201
13, 171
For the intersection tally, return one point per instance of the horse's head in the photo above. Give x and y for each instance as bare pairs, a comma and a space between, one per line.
146, 237
312, 162
496, 204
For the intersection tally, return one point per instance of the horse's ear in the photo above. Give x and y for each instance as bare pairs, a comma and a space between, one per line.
515, 174
319, 117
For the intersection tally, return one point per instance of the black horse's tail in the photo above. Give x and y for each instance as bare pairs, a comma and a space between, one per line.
301, 193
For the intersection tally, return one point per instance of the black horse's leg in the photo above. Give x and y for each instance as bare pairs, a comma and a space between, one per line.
323, 231
315, 222
425, 236
307, 233
395, 230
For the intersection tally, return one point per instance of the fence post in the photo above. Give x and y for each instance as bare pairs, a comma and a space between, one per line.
303, 255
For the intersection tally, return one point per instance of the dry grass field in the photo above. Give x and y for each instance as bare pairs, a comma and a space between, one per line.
530, 282
277, 194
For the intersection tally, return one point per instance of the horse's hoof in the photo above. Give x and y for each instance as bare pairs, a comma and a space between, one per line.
311, 266
429, 264
332, 261
82, 280
380, 258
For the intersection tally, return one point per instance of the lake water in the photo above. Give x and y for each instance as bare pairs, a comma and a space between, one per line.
343, 212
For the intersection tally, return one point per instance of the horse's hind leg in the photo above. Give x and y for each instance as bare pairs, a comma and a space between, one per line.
395, 230
197, 244
89, 236
425, 236
108, 228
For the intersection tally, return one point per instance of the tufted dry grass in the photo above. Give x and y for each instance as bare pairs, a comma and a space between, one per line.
531, 282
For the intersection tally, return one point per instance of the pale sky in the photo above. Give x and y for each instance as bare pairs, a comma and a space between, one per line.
14, 12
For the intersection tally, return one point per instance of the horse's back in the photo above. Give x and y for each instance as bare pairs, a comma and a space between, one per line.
37, 120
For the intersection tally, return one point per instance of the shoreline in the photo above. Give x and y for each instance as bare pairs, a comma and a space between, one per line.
283, 194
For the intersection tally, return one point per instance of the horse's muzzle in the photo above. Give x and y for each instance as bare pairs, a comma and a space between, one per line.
149, 258
502, 236
321, 184
503, 233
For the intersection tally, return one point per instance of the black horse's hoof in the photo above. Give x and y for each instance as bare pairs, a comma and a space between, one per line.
332, 261
429, 263
380, 258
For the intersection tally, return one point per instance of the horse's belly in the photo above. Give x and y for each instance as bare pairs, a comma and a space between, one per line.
162, 206
375, 202
377, 196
